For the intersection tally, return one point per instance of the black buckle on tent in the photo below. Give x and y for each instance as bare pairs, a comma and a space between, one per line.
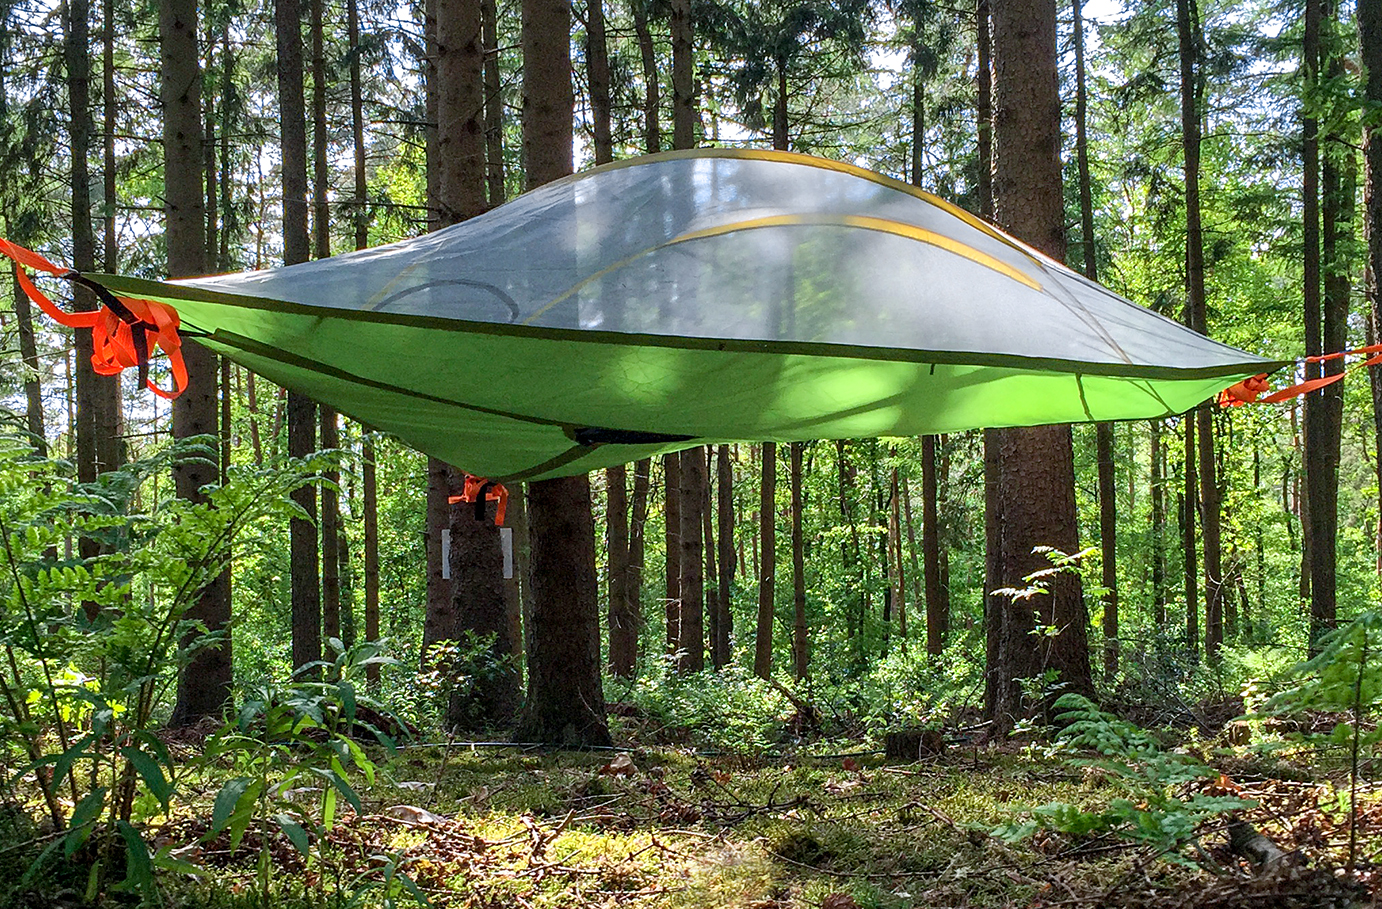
138, 327
594, 435
485, 487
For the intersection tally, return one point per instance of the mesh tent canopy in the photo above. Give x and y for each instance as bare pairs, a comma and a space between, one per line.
695, 297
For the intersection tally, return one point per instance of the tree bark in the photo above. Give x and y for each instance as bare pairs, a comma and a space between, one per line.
1036, 480
494, 105
647, 54
800, 644
623, 622
1189, 499
767, 562
671, 513
204, 684
1370, 36
724, 513
1158, 516
1338, 190
1103, 432
357, 127
937, 606
565, 699
691, 618
369, 494
1191, 98
302, 412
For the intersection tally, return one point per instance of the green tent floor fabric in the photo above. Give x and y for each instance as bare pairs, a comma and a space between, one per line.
687, 298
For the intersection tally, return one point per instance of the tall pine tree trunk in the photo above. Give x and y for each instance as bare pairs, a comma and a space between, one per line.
800, 652
565, 699
1370, 35
767, 562
1036, 478
1325, 408
302, 412
1103, 432
691, 617
724, 514
1191, 100
204, 684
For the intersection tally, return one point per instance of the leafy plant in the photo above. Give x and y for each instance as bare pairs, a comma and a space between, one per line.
1345, 676
292, 743
94, 592
1163, 805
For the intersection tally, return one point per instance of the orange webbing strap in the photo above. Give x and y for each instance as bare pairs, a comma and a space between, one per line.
124, 331
1251, 390
478, 490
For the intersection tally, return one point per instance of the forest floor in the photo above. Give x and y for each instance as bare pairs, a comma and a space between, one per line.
500, 827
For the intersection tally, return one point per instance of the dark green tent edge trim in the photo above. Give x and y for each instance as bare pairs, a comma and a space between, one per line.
172, 292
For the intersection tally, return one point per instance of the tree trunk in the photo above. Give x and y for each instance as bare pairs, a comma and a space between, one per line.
565, 700
1036, 479
330, 532
204, 684
800, 652
370, 503
767, 563
1370, 35
647, 53
1103, 433
724, 513
98, 428
671, 513
1337, 193
494, 105
1189, 498
1158, 505
1191, 98
623, 632
302, 412
357, 126
691, 618
897, 576
937, 611
478, 601
683, 76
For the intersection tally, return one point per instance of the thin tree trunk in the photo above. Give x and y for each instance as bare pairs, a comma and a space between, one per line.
937, 611
638, 521
1370, 36
800, 651
494, 105
110, 261
623, 633
1189, 499
671, 512
28, 352
1188, 31
370, 504
357, 126
712, 575
1103, 432
1158, 500
691, 619
898, 577
767, 562
1337, 193
683, 76
647, 53
330, 532
724, 514
302, 412
204, 684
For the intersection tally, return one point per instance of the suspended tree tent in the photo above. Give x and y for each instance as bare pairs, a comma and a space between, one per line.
692, 297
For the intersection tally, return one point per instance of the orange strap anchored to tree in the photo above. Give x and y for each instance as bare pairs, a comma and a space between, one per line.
478, 490
1251, 390
124, 331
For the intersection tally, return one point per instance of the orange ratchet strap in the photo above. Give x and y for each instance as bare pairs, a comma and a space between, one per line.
479, 490
1251, 390
124, 331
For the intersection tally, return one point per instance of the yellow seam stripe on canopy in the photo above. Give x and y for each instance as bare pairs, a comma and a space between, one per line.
885, 225
854, 170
